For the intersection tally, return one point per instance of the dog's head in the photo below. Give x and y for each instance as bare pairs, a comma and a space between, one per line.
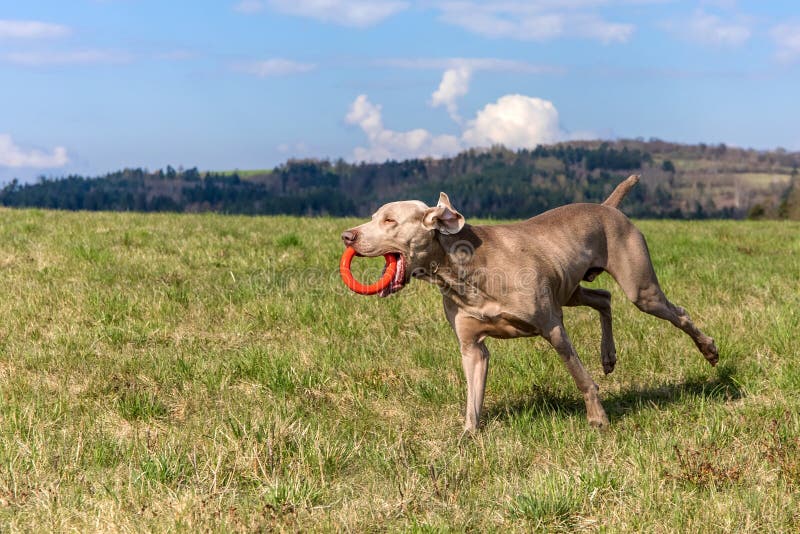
408, 230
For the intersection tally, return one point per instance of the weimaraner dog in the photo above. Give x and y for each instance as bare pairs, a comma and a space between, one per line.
512, 280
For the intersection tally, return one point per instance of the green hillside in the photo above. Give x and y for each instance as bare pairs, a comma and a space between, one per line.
678, 181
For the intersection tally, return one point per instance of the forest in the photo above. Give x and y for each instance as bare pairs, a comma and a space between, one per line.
678, 181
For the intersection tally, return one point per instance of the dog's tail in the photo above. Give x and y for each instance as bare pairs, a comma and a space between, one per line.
622, 189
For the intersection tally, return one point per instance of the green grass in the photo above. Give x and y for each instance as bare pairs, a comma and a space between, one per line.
202, 372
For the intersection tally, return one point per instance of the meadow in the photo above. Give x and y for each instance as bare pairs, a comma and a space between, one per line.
164, 372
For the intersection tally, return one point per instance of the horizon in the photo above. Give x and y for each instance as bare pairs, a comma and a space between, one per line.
103, 85
266, 170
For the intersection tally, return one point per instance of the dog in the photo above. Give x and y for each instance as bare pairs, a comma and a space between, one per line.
513, 280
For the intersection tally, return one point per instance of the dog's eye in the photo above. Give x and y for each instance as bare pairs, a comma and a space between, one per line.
388, 220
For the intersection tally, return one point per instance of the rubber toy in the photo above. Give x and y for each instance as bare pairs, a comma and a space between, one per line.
362, 289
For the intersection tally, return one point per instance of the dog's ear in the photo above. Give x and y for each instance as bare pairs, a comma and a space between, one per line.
444, 201
443, 217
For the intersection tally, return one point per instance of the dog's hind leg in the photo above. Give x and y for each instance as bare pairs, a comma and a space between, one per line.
652, 300
631, 267
557, 336
600, 300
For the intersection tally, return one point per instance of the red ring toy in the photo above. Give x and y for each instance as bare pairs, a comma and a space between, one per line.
358, 287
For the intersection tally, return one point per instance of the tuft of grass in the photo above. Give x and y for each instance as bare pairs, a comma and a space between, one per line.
546, 511
166, 468
140, 405
288, 241
101, 452
290, 494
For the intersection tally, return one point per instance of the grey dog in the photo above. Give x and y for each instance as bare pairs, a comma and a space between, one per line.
512, 280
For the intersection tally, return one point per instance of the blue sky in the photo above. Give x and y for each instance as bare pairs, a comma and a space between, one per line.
90, 86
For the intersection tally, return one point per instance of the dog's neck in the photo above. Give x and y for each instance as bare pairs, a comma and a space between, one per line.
452, 264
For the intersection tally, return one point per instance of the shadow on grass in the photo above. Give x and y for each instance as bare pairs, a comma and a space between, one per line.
720, 388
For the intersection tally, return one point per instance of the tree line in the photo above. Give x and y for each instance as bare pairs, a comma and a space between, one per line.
494, 182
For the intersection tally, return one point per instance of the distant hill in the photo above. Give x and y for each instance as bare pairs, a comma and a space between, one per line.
678, 181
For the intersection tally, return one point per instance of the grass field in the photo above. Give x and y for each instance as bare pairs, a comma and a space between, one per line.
203, 372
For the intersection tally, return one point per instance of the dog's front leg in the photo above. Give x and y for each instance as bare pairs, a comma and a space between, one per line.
475, 361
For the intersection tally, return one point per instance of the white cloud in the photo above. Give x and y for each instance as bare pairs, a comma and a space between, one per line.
496, 22
77, 57
353, 13
249, 7
11, 155
365, 114
516, 121
592, 26
534, 20
31, 29
706, 28
389, 144
454, 85
272, 67
458, 73
787, 39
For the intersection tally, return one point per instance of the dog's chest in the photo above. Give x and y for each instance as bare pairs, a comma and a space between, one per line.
506, 326
493, 321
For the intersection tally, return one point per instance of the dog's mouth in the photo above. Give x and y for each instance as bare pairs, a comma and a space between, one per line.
399, 280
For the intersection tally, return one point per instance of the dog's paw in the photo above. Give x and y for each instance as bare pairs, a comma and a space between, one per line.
609, 362
709, 350
467, 433
599, 422
595, 413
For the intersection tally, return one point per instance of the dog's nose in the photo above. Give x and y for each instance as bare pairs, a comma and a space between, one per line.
349, 237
